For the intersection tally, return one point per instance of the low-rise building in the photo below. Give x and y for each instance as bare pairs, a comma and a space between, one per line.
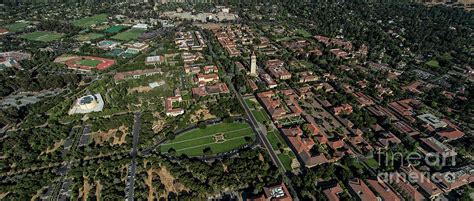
202, 79
414, 175
383, 191
170, 109
333, 193
450, 180
153, 60
207, 90
360, 190
403, 186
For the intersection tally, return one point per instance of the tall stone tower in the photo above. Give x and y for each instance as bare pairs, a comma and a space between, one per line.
253, 64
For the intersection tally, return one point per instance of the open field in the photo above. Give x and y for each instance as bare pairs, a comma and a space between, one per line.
17, 26
128, 35
194, 142
88, 21
42, 36
89, 62
303, 33
89, 36
287, 159
115, 29
275, 138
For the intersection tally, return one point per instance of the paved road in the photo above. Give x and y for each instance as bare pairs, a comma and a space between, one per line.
131, 177
262, 137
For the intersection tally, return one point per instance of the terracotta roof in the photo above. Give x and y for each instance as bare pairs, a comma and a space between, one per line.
405, 187
333, 193
361, 189
383, 190
422, 181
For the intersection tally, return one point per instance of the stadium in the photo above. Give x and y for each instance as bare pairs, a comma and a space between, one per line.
88, 63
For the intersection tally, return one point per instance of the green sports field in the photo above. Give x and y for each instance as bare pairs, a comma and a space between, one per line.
194, 142
115, 29
88, 21
89, 36
89, 62
17, 26
42, 36
128, 35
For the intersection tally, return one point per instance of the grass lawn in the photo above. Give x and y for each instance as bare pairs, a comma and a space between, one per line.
115, 29
286, 160
17, 26
194, 142
372, 163
89, 36
303, 33
42, 36
128, 35
433, 64
260, 115
89, 62
274, 139
88, 21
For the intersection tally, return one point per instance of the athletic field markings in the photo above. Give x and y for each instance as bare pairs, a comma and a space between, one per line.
202, 145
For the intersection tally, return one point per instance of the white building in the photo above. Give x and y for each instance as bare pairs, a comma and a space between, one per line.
87, 104
140, 26
253, 64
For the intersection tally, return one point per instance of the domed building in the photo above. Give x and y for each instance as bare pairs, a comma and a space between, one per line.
87, 104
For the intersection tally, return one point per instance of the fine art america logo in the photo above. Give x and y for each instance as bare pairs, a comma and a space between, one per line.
414, 159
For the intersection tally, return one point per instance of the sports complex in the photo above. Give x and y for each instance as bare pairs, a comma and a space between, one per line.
88, 63
220, 138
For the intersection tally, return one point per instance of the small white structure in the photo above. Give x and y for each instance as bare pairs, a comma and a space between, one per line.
154, 60
253, 64
87, 104
140, 26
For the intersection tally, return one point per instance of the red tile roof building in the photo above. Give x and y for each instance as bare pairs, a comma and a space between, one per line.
169, 110
339, 53
219, 88
277, 193
362, 99
202, 79
383, 190
449, 181
343, 109
451, 132
361, 190
403, 186
422, 181
332, 194
268, 80
210, 69
279, 109
277, 69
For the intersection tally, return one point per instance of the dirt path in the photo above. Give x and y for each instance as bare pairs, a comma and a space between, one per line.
54, 148
149, 183
98, 189
84, 191
168, 180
